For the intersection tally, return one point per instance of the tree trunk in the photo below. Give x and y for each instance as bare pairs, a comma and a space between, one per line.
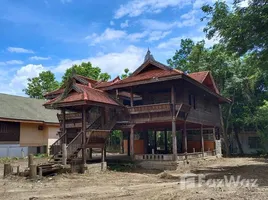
224, 132
236, 132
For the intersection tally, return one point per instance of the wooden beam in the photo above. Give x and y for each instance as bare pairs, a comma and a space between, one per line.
64, 124
185, 139
166, 141
84, 135
131, 97
155, 142
202, 140
132, 142
174, 136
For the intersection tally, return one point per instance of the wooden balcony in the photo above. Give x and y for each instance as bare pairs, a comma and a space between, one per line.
70, 116
156, 112
151, 108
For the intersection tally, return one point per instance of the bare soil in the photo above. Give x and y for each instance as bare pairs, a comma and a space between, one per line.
142, 184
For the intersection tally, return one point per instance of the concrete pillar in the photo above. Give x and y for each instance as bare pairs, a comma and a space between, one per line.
64, 154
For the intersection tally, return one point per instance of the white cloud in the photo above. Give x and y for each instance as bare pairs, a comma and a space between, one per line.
39, 58
124, 24
112, 23
174, 43
157, 25
244, 4
137, 36
113, 63
12, 62
19, 81
108, 34
137, 7
157, 35
19, 50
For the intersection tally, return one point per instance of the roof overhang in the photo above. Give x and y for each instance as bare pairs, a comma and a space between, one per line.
28, 121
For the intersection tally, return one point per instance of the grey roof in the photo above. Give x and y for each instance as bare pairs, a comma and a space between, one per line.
24, 108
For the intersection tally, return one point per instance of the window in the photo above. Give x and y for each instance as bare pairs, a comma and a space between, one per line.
191, 100
254, 142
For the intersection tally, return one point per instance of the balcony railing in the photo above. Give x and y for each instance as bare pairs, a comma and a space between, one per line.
151, 108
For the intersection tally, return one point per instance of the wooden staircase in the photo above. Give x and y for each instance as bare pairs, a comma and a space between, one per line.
96, 135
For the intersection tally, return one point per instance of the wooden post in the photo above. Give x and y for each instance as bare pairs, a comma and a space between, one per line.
64, 125
18, 170
155, 142
64, 154
131, 98
185, 139
202, 141
132, 142
103, 154
40, 172
84, 135
30, 160
90, 153
7, 169
33, 172
174, 136
166, 141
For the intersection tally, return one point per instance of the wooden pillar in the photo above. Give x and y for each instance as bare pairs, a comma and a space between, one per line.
132, 142
103, 154
90, 153
64, 125
174, 136
185, 139
30, 160
155, 142
202, 141
84, 135
145, 138
166, 141
128, 143
131, 98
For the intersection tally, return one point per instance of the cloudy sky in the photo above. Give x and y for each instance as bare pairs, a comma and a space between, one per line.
38, 35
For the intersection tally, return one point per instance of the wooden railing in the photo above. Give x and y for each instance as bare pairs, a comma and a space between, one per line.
69, 116
55, 148
75, 145
161, 107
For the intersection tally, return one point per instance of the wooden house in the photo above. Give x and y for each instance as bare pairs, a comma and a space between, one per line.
155, 102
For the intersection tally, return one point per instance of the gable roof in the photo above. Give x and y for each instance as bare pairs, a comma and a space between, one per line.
75, 92
25, 109
205, 77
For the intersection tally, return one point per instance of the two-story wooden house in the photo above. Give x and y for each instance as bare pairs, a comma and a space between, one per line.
165, 114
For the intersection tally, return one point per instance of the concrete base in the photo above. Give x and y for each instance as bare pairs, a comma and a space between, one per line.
96, 167
159, 165
103, 166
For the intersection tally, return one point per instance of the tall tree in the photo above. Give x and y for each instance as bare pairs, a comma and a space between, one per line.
86, 69
126, 73
38, 86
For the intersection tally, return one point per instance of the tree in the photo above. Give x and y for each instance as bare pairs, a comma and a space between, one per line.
126, 74
242, 29
38, 86
86, 69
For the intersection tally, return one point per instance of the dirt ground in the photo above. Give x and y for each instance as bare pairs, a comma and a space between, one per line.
141, 184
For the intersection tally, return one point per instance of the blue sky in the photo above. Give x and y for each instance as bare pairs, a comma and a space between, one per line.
39, 35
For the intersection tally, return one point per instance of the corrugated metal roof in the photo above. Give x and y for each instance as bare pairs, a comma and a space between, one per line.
24, 108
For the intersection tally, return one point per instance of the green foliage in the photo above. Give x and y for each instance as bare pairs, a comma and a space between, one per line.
243, 30
126, 74
86, 69
38, 86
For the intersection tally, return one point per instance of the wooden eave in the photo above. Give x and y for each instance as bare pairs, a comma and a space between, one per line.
28, 121
142, 82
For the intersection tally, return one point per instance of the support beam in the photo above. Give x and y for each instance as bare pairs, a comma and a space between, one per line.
202, 140
132, 142
131, 98
185, 139
174, 136
155, 142
84, 135
103, 154
166, 141
64, 125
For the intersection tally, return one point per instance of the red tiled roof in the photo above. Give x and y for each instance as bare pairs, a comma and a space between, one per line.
87, 94
58, 91
199, 76
154, 73
92, 81
107, 83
